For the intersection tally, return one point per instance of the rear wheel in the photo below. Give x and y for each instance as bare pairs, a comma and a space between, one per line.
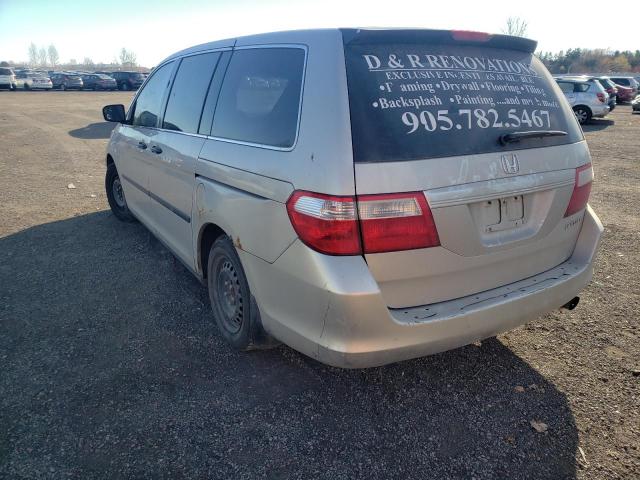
26, 86
63, 87
234, 309
115, 195
582, 113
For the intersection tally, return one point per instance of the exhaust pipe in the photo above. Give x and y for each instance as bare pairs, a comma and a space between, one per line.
571, 304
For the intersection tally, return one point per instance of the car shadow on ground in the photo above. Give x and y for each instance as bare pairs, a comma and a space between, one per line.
94, 131
597, 124
111, 367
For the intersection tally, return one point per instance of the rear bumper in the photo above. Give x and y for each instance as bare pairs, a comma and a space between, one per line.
330, 308
601, 110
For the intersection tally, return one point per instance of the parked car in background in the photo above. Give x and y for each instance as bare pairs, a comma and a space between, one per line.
128, 80
587, 98
611, 90
628, 82
66, 81
626, 94
635, 105
628, 88
360, 225
29, 80
7, 78
99, 81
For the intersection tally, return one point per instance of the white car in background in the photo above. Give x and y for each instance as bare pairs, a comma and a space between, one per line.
32, 81
587, 98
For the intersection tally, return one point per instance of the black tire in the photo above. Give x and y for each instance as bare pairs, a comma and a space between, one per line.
583, 114
234, 309
25, 86
115, 195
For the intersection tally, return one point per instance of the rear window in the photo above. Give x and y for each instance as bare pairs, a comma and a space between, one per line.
625, 82
5, 71
418, 101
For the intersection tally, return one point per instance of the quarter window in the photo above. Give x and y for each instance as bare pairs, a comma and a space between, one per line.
149, 102
260, 97
566, 87
188, 92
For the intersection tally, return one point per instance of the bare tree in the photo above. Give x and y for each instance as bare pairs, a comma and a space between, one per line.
515, 26
33, 54
42, 57
54, 58
127, 58
87, 62
73, 61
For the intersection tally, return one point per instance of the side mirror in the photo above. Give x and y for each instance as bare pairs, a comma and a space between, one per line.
114, 113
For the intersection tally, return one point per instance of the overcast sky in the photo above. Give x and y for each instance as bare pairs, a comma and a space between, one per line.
155, 29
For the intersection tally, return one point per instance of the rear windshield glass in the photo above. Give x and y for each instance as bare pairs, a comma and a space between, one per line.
412, 101
5, 71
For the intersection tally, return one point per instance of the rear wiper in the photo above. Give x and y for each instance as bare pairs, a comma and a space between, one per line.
517, 136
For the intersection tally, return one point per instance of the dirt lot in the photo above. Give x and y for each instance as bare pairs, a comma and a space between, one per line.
110, 366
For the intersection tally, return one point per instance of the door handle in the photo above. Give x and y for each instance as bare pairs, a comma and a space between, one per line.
156, 149
142, 145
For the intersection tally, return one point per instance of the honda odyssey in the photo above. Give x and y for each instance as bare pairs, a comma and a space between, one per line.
364, 196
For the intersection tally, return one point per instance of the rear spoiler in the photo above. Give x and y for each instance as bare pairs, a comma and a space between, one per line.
355, 36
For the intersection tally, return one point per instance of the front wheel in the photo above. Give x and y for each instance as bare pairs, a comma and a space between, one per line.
115, 195
583, 114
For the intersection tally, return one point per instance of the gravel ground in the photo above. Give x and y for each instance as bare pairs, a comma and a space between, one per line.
110, 366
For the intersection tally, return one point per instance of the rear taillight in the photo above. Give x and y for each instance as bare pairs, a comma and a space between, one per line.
601, 97
470, 36
326, 223
335, 225
398, 221
581, 190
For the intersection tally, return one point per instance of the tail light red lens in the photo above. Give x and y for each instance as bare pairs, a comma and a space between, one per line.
394, 222
601, 97
334, 225
581, 190
325, 223
470, 36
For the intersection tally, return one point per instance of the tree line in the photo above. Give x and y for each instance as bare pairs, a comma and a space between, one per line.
582, 60
49, 57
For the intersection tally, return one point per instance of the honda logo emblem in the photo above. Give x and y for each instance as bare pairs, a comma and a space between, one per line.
510, 163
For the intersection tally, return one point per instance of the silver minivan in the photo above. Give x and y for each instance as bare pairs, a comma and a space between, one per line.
363, 195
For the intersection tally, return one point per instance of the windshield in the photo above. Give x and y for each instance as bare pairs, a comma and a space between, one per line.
415, 101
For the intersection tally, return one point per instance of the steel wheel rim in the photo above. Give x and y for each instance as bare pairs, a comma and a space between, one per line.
229, 296
118, 193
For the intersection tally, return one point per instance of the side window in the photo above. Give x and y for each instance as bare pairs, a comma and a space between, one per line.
566, 87
149, 102
188, 92
582, 87
214, 92
260, 97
